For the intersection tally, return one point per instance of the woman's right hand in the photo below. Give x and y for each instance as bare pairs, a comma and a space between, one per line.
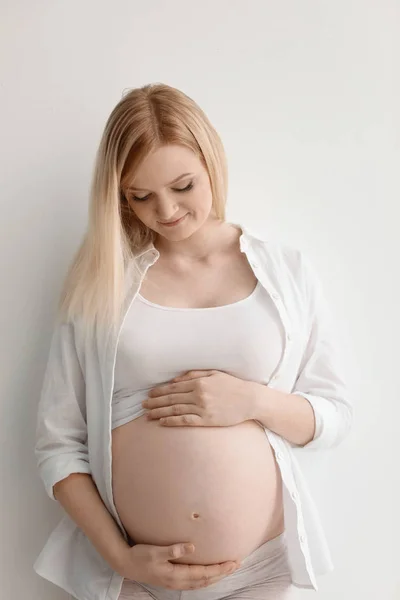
150, 564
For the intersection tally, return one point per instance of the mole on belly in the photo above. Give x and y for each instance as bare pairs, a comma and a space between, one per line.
195, 515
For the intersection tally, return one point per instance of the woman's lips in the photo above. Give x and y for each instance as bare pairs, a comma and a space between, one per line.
173, 222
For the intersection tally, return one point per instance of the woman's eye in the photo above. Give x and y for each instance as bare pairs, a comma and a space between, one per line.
185, 189
143, 198
140, 199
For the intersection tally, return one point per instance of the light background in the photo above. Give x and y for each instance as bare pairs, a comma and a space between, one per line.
305, 96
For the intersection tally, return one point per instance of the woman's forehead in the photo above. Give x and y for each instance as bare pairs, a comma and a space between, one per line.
165, 166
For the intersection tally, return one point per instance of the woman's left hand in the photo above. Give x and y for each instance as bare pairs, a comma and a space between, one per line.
201, 399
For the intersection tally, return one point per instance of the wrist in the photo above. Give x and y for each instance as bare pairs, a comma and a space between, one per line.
257, 401
119, 557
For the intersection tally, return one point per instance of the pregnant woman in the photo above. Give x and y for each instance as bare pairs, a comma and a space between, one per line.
191, 361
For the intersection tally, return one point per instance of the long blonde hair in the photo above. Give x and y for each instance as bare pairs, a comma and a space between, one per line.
144, 119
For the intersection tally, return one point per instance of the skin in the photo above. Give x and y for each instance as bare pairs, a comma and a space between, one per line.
197, 247
199, 238
201, 248
201, 234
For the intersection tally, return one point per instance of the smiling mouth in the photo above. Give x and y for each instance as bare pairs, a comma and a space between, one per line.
172, 223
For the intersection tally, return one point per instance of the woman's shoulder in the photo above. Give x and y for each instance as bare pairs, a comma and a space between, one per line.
279, 251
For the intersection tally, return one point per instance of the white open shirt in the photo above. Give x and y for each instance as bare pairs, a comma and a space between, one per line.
74, 416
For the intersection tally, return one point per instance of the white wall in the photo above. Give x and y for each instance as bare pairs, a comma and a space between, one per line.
305, 96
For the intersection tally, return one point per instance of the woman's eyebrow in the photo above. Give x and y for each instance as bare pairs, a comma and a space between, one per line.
170, 183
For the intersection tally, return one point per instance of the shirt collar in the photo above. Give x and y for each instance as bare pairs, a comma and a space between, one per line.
151, 254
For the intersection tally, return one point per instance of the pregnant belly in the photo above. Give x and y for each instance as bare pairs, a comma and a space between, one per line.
217, 487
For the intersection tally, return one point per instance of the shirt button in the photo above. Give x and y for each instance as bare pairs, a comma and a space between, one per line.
279, 455
274, 377
288, 337
302, 539
295, 495
275, 296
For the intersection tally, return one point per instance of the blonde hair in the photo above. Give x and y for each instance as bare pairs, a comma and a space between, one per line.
144, 119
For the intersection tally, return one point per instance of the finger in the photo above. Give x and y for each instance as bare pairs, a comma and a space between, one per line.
196, 576
176, 410
218, 570
194, 375
206, 580
170, 400
171, 388
188, 420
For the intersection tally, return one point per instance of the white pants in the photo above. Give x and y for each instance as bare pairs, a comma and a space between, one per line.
263, 575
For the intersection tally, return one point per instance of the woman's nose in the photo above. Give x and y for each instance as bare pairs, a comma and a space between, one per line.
167, 208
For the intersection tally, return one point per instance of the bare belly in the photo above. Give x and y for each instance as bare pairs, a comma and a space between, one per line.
217, 487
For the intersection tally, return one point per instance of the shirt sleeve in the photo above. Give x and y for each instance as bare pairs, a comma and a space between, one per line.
61, 432
321, 377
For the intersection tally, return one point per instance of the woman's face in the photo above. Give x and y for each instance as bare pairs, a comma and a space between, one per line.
157, 199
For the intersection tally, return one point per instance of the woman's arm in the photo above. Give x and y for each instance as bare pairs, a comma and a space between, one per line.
61, 430
61, 447
79, 497
288, 415
318, 412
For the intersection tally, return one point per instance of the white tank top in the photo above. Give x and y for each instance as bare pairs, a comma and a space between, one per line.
158, 343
